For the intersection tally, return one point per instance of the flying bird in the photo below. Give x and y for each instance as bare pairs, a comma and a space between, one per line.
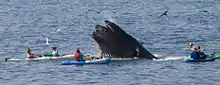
164, 14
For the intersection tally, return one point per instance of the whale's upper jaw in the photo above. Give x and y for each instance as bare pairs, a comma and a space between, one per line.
103, 31
112, 26
108, 25
99, 32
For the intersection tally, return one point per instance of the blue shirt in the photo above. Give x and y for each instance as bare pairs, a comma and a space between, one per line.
194, 55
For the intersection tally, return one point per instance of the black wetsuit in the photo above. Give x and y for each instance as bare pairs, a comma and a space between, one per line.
202, 55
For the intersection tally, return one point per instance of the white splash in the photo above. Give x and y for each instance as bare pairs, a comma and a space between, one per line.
167, 58
47, 41
108, 15
58, 30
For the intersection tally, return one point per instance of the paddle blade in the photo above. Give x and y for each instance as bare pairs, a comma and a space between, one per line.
47, 41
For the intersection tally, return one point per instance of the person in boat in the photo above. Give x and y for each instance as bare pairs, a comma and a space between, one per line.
30, 55
78, 55
195, 54
55, 51
190, 46
201, 54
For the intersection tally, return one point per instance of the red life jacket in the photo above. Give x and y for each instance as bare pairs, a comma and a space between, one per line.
76, 56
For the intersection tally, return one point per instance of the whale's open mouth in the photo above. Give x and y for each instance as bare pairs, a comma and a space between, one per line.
115, 42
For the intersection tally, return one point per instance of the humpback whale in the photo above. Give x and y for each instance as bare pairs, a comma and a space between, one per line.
114, 42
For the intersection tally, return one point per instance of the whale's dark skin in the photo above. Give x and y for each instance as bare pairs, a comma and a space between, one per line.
116, 43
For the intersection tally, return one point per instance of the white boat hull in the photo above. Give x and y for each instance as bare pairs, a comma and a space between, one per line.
40, 58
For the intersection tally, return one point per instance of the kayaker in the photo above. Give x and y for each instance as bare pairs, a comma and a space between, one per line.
55, 51
195, 54
30, 55
190, 46
78, 56
201, 54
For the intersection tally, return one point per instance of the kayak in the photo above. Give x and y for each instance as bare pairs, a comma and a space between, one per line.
98, 61
217, 57
49, 54
41, 58
187, 59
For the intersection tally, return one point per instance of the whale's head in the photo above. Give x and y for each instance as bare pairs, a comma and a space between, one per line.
115, 42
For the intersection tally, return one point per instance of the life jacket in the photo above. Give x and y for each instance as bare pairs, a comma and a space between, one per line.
78, 56
202, 55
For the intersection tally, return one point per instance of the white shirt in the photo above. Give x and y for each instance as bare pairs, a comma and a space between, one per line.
55, 52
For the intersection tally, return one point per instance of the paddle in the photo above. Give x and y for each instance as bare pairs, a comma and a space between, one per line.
89, 57
47, 41
210, 47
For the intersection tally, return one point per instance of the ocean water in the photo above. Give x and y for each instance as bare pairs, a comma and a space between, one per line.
68, 24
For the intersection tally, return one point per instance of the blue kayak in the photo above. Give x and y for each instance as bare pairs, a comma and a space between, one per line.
99, 61
200, 60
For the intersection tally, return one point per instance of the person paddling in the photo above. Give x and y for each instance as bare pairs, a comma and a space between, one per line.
190, 46
55, 51
201, 54
78, 55
30, 55
195, 54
